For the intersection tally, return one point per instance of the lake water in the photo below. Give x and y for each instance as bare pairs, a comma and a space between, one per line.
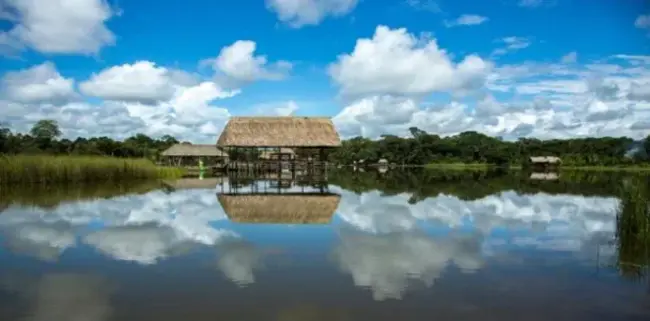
363, 246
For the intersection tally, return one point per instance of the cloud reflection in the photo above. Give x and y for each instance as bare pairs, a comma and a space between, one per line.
43, 241
386, 263
64, 296
237, 261
144, 229
383, 244
574, 219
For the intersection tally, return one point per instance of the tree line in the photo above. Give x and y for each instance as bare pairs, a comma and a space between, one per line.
45, 138
472, 147
419, 149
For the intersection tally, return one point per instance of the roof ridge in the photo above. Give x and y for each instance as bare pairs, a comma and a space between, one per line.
281, 117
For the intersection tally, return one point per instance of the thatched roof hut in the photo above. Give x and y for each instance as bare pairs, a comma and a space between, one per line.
180, 150
280, 208
279, 132
545, 160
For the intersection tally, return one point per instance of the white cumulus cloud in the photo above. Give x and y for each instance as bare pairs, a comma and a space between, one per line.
299, 13
396, 62
60, 26
141, 81
237, 65
38, 84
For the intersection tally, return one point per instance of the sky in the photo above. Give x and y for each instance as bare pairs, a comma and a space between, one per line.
507, 68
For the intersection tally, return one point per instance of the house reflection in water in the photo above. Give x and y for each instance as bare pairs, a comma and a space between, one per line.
548, 176
273, 199
193, 183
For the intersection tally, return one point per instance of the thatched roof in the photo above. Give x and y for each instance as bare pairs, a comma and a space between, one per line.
545, 159
279, 132
280, 208
194, 150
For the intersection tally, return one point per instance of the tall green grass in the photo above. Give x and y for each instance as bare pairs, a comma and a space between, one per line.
633, 229
47, 169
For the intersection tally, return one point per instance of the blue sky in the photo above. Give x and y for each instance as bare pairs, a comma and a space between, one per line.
512, 68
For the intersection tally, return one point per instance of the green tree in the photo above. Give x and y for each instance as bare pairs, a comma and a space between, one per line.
5, 135
45, 129
44, 132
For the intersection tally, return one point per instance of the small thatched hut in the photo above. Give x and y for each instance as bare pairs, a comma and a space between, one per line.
543, 163
276, 132
280, 208
312, 134
189, 155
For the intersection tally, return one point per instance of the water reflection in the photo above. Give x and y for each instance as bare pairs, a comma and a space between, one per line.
277, 200
402, 242
140, 228
238, 260
386, 263
43, 241
64, 296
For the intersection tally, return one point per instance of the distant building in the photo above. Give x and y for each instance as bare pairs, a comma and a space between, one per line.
544, 162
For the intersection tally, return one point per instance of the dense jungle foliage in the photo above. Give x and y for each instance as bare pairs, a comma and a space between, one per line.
419, 149
472, 147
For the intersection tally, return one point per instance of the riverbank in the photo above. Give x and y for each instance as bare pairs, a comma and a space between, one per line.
483, 166
459, 166
49, 169
607, 168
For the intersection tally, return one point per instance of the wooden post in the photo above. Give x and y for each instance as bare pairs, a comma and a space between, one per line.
325, 164
293, 167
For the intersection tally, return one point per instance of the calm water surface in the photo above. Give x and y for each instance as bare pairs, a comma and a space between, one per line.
367, 246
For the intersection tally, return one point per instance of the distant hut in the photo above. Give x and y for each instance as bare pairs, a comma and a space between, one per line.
315, 134
280, 208
544, 163
189, 155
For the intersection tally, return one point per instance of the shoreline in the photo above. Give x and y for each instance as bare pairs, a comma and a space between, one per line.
595, 168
